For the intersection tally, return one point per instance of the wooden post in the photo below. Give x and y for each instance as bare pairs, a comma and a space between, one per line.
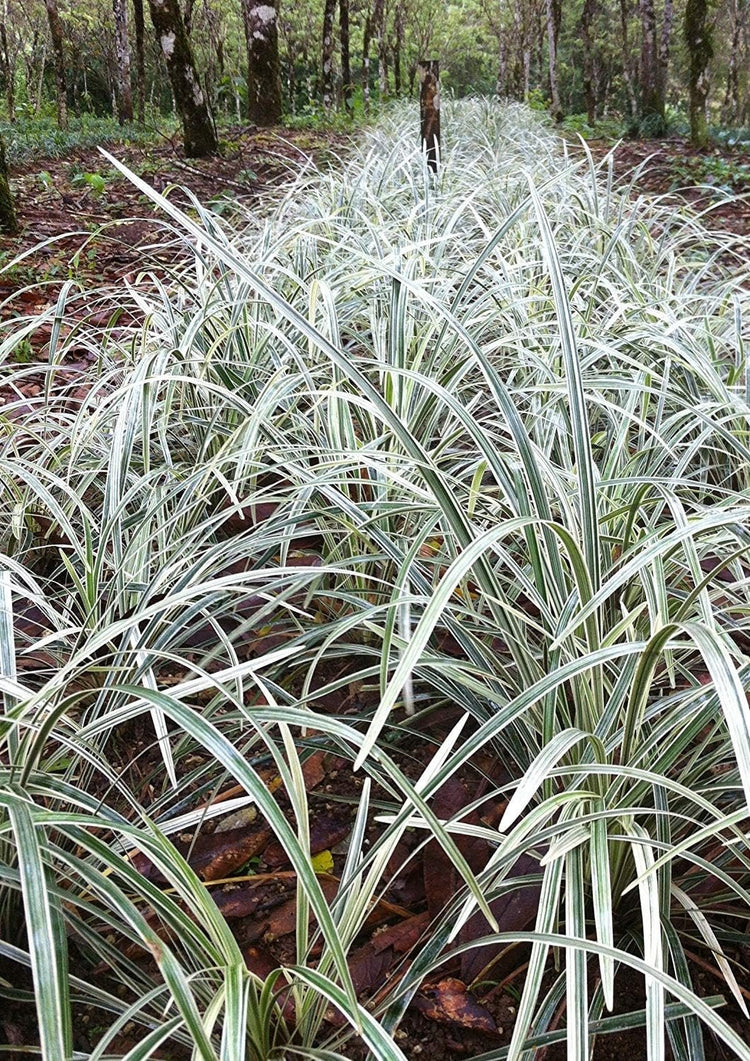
429, 109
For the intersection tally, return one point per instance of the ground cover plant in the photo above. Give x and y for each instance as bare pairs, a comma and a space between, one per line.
374, 623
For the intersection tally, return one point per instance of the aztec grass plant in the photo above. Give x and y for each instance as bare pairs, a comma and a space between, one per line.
478, 443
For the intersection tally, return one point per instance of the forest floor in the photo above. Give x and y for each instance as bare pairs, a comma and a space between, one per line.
102, 230
82, 220
715, 182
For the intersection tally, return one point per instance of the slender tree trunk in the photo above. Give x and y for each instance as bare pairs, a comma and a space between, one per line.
502, 69
429, 110
329, 13
587, 20
627, 69
199, 132
652, 103
367, 37
122, 53
263, 79
58, 50
140, 60
8, 219
346, 66
378, 9
664, 48
698, 37
553, 24
398, 46
9, 73
730, 108
519, 40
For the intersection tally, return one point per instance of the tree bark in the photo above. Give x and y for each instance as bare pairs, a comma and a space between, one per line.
122, 54
652, 103
8, 219
9, 73
553, 26
429, 110
188, 16
588, 15
379, 12
140, 60
366, 38
346, 66
329, 13
398, 46
698, 37
263, 80
664, 47
58, 50
198, 128
627, 70
730, 108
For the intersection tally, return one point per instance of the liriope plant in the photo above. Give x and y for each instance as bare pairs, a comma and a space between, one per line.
484, 441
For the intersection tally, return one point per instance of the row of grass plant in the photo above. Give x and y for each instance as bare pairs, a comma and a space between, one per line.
485, 440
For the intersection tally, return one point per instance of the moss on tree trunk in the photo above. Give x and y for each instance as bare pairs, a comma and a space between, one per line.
8, 219
199, 132
699, 40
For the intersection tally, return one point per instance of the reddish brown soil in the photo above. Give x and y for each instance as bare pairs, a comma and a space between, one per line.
106, 234
716, 180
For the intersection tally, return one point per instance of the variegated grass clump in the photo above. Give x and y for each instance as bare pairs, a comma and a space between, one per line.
485, 441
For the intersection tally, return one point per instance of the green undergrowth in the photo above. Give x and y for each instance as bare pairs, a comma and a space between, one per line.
477, 442
37, 137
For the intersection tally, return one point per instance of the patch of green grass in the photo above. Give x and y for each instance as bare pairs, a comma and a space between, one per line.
31, 138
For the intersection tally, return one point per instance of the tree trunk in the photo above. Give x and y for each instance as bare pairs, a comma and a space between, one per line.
140, 60
698, 37
376, 28
627, 70
329, 12
553, 25
502, 69
664, 46
9, 73
652, 103
429, 110
263, 80
382, 49
346, 66
8, 219
58, 50
366, 38
398, 46
122, 53
587, 20
198, 128
730, 108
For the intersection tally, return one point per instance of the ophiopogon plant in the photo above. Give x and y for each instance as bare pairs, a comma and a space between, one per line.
477, 444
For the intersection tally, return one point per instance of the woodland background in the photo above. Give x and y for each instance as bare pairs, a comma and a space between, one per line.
635, 63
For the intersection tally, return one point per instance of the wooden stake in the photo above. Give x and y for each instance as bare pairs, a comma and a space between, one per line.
429, 110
